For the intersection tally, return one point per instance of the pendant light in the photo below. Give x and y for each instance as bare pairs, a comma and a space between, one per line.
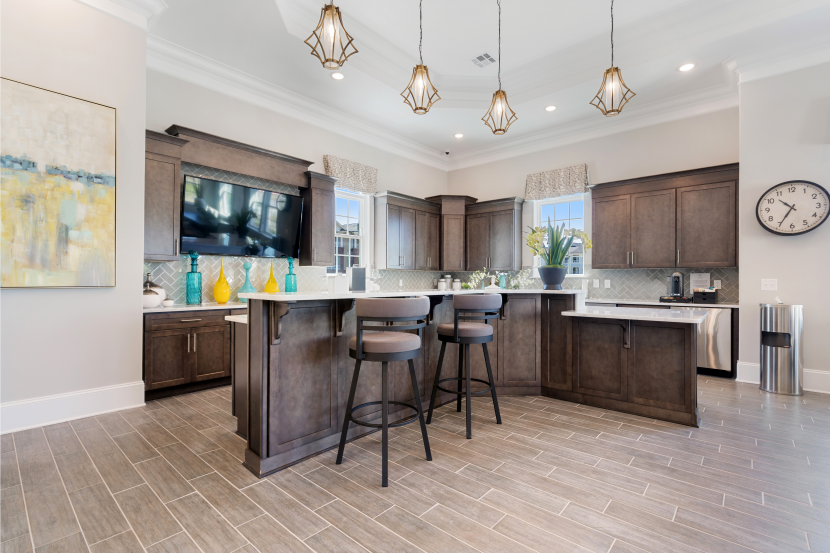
499, 117
419, 94
329, 41
613, 94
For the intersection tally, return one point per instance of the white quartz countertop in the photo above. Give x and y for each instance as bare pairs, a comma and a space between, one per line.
647, 302
693, 316
200, 307
283, 297
237, 318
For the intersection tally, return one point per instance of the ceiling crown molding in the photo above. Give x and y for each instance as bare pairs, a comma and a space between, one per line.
166, 57
134, 12
784, 64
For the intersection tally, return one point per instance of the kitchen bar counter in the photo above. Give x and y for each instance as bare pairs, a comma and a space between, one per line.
199, 307
292, 403
693, 316
665, 305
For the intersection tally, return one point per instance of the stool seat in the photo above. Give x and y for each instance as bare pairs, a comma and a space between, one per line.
466, 330
387, 342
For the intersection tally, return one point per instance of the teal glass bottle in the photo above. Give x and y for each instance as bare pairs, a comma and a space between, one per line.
290, 278
247, 287
193, 291
502, 281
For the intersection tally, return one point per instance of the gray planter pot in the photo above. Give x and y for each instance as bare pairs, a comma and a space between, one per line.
552, 277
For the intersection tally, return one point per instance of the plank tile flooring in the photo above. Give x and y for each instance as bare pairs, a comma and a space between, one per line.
555, 477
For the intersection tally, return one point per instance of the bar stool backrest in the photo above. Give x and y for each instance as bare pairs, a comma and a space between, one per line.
388, 311
478, 308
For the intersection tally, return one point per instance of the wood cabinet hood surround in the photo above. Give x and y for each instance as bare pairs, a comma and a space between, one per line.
229, 155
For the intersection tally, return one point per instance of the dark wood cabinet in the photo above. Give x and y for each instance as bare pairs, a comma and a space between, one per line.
520, 355
555, 341
685, 219
494, 235
600, 358
406, 232
185, 347
317, 235
427, 241
451, 234
162, 196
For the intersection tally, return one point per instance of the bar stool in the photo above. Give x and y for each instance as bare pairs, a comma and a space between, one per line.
387, 342
465, 333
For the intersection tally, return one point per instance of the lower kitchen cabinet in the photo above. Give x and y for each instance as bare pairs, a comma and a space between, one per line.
166, 358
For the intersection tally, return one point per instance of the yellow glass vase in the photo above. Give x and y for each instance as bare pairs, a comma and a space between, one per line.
271, 287
221, 290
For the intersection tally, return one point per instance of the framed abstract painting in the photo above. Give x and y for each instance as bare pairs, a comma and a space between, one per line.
57, 195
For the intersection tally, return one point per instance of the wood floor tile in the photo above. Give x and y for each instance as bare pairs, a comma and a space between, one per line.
298, 519
229, 467
9, 474
355, 456
99, 516
13, 521
6, 443
448, 497
136, 416
50, 515
530, 494
428, 537
223, 419
454, 480
164, 479
77, 471
38, 471
794, 522
439, 458
306, 466
192, 417
228, 441
117, 471
87, 423
301, 489
209, 530
180, 543
225, 498
535, 538
580, 496
62, 439
270, 537
155, 434
364, 530
21, 544
135, 447
332, 540
350, 492
97, 442
71, 544
27, 442
122, 543
166, 418
148, 517
184, 461
395, 493
197, 442
757, 538
114, 424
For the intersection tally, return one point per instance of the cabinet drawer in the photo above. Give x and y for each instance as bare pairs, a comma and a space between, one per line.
191, 319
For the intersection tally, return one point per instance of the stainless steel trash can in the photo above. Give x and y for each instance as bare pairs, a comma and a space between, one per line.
782, 362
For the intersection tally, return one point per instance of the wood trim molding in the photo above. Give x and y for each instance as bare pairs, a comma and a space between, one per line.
176, 130
161, 137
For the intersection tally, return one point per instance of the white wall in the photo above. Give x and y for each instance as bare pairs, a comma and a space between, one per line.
60, 341
785, 135
171, 100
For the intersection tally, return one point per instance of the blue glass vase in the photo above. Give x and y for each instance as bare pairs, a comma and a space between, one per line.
290, 278
194, 281
502, 281
247, 287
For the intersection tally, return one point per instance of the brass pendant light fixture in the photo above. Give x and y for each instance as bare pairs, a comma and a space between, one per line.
613, 93
419, 94
329, 41
499, 117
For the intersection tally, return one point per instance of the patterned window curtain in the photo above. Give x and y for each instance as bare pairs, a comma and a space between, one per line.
558, 182
352, 176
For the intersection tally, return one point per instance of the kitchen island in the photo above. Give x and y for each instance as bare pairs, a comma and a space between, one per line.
299, 369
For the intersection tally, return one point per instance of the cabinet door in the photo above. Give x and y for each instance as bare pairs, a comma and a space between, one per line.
211, 352
600, 362
421, 241
433, 241
167, 359
478, 241
322, 228
706, 225
520, 350
407, 238
393, 237
611, 228
502, 241
556, 342
452, 243
653, 229
661, 366
161, 208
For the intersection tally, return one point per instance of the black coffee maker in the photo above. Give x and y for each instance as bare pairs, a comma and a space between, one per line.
674, 285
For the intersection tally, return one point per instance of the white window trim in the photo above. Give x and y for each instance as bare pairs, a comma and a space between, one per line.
366, 206
537, 222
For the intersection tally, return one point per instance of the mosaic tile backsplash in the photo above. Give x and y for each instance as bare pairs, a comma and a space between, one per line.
630, 284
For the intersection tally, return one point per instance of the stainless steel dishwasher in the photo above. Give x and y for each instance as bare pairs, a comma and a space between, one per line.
714, 339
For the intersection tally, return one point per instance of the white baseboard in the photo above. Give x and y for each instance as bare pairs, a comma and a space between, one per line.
814, 380
40, 411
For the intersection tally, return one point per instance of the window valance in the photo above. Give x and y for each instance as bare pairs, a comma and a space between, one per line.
352, 176
557, 182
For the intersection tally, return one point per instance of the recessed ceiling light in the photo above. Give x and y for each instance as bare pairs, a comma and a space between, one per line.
686, 67
337, 76
550, 108
459, 135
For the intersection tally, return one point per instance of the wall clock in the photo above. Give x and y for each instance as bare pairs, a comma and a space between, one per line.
793, 207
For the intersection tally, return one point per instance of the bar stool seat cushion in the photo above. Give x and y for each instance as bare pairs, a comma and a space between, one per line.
387, 342
466, 330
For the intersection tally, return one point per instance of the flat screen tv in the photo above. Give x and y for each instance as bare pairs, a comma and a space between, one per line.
230, 219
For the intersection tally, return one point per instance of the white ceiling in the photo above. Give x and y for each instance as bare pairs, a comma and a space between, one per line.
552, 53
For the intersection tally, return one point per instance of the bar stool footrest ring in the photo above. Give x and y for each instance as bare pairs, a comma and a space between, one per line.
402, 422
463, 379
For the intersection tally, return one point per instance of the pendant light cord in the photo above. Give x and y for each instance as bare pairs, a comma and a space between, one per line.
421, 24
612, 33
499, 4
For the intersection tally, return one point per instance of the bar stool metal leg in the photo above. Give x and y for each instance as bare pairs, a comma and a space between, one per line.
469, 392
460, 376
492, 383
435, 383
348, 413
417, 393
385, 427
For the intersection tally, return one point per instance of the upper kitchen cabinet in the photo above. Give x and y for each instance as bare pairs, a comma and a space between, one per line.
317, 235
494, 235
162, 196
685, 219
451, 231
405, 232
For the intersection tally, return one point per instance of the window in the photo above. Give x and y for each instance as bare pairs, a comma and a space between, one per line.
350, 231
569, 210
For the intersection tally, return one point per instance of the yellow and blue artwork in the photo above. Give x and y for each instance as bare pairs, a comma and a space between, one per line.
57, 195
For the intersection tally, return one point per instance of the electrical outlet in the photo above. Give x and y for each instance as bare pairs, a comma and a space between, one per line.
607, 283
596, 283
717, 285
769, 284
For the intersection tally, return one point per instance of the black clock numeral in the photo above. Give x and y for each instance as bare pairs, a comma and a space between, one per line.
805, 222
791, 189
792, 225
815, 196
767, 210
771, 200
779, 193
818, 205
770, 218
814, 215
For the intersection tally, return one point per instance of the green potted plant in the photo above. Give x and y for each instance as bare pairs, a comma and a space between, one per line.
553, 244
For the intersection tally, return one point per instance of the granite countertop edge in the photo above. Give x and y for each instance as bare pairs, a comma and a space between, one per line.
695, 316
652, 302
